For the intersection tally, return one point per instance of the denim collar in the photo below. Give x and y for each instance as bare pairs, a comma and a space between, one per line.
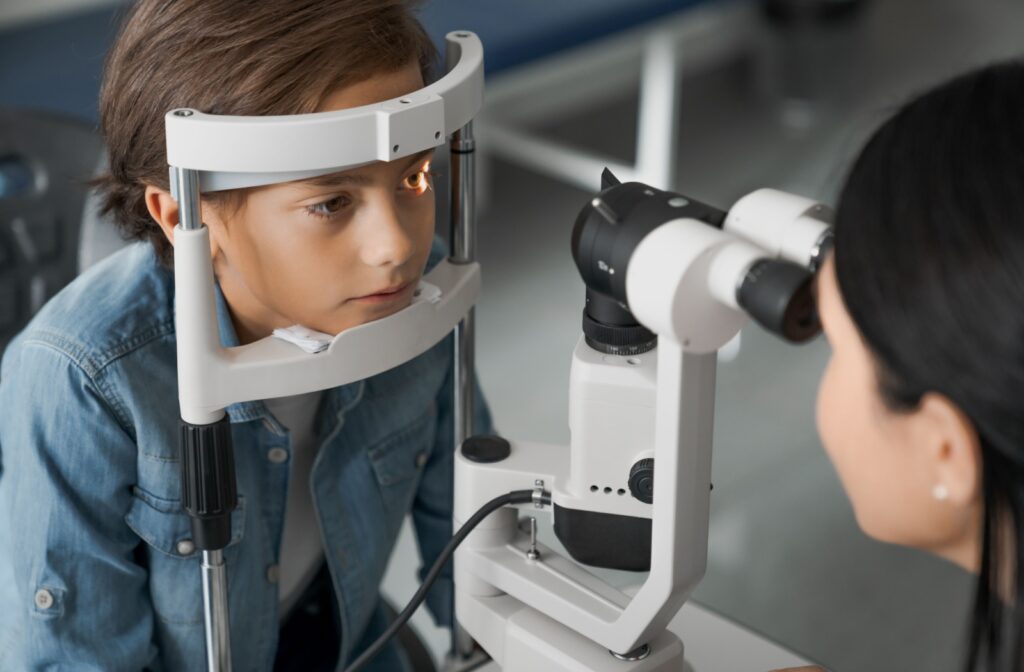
334, 403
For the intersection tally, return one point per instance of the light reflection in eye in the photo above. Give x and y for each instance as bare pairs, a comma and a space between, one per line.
416, 184
421, 182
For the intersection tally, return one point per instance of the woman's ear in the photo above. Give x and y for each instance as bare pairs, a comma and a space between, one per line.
954, 451
163, 209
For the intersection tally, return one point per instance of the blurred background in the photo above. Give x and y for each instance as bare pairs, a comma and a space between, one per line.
711, 98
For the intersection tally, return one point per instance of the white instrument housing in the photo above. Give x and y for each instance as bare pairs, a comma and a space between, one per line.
681, 283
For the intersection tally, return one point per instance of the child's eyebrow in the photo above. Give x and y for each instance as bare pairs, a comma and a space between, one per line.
357, 179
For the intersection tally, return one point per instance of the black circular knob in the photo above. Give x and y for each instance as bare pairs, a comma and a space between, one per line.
486, 449
641, 480
610, 328
626, 341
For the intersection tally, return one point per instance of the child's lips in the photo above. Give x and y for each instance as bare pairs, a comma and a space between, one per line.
392, 293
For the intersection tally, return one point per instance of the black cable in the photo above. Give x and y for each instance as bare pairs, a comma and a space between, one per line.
514, 497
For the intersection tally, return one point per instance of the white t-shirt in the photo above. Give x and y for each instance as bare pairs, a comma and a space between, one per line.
301, 547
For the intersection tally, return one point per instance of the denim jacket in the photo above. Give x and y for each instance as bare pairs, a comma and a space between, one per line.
96, 568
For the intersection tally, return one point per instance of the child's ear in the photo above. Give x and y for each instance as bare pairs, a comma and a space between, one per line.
163, 209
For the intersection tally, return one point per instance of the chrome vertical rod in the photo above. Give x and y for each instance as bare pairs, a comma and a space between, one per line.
187, 195
215, 606
463, 166
214, 573
463, 251
462, 243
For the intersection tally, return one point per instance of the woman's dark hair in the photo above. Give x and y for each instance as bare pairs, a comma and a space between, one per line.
233, 57
929, 259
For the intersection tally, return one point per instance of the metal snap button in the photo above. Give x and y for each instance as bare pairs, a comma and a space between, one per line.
44, 598
277, 455
186, 547
421, 459
273, 573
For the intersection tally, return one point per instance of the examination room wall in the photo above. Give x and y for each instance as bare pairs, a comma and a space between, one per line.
786, 558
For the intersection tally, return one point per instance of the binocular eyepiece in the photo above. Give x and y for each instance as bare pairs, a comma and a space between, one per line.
776, 292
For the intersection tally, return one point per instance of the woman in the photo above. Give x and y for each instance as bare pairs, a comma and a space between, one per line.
921, 406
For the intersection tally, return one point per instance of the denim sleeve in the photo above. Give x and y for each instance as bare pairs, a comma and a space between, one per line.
69, 467
432, 508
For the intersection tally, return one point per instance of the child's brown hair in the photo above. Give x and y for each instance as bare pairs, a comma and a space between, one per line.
233, 57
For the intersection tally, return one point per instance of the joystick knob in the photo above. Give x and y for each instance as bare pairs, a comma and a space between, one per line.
641, 480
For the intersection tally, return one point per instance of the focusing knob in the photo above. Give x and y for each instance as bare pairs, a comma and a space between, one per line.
641, 480
610, 339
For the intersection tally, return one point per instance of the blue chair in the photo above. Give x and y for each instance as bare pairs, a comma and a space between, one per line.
46, 161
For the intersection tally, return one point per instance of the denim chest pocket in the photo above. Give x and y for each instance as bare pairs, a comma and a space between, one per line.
399, 459
175, 583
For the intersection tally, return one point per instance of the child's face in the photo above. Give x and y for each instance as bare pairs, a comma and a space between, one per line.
333, 252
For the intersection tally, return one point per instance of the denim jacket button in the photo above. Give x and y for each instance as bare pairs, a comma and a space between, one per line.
186, 547
273, 573
277, 455
44, 599
421, 458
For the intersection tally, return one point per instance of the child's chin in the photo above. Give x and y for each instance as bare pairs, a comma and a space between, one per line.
367, 314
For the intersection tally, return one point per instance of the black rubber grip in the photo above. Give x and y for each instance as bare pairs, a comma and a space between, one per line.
209, 492
618, 340
778, 295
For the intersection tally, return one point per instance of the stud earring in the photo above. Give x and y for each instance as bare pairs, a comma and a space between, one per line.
940, 492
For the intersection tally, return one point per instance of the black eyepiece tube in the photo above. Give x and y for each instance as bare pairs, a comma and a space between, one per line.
778, 295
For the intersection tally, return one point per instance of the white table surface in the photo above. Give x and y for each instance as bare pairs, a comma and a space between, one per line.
713, 643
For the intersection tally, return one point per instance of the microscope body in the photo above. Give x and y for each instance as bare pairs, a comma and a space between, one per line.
669, 283
602, 510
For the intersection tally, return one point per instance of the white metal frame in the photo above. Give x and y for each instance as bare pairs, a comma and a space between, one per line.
229, 152
583, 77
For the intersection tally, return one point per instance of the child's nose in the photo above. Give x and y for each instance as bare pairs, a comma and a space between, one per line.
385, 241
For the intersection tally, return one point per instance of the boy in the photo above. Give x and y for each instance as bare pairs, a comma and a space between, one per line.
97, 569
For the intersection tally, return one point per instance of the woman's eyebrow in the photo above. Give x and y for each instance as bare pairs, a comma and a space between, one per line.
359, 179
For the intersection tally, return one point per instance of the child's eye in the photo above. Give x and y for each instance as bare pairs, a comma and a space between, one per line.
328, 208
419, 183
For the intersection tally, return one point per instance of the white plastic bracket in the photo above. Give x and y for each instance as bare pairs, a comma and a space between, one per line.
231, 152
